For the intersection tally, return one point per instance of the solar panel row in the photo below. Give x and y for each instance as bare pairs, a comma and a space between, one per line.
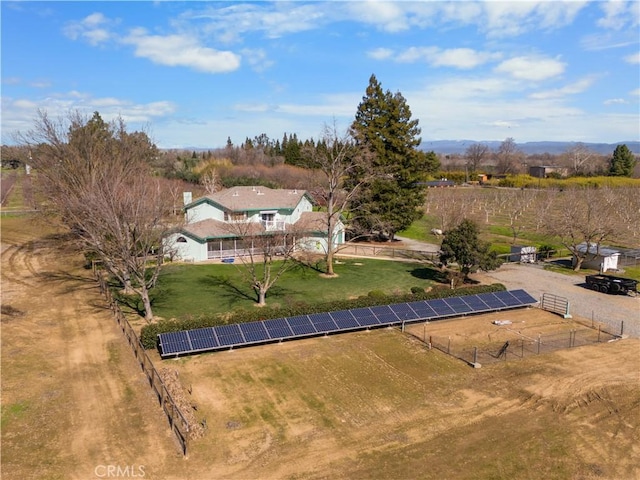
228, 336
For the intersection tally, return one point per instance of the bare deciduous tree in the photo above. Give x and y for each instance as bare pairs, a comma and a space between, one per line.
336, 157
210, 180
509, 157
577, 159
448, 205
266, 254
587, 217
476, 155
95, 176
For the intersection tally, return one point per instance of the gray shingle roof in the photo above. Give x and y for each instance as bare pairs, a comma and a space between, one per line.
238, 199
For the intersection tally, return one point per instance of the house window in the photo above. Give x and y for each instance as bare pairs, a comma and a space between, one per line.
181, 240
235, 217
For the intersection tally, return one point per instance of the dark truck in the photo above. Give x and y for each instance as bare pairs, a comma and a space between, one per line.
611, 284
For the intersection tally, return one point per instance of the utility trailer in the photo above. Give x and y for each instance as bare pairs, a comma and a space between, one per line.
612, 284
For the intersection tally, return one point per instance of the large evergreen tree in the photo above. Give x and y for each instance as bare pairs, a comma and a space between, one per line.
623, 162
384, 129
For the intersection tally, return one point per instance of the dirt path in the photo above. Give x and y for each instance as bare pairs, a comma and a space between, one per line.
73, 399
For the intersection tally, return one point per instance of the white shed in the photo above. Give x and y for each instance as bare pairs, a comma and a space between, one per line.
523, 254
601, 259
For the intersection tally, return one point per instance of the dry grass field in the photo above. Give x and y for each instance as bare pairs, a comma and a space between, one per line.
366, 405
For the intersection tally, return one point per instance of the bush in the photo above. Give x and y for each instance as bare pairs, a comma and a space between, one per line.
417, 290
376, 294
149, 333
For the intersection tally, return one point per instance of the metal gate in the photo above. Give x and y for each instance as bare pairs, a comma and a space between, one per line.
556, 304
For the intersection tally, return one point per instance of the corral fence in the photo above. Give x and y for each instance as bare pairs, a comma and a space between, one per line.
629, 258
362, 250
519, 347
177, 421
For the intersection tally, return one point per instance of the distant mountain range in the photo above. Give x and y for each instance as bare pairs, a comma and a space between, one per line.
452, 147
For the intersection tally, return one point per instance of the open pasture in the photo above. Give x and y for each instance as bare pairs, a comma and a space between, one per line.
379, 404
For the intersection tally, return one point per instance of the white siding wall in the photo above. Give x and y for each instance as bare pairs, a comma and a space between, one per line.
303, 206
203, 211
191, 251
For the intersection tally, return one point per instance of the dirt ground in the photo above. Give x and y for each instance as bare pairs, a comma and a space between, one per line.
367, 405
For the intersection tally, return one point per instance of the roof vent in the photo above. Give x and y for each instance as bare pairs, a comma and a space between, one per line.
235, 194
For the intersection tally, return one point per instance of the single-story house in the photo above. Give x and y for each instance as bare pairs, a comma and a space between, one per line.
601, 259
215, 224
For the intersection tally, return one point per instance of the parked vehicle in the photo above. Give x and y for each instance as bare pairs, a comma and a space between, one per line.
612, 284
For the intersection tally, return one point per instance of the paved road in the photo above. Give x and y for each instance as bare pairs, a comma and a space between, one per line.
608, 309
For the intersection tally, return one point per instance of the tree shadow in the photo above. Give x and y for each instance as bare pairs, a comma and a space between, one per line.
432, 274
225, 288
68, 281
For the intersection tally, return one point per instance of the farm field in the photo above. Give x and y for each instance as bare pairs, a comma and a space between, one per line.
363, 405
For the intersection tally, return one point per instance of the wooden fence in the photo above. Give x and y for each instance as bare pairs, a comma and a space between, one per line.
177, 421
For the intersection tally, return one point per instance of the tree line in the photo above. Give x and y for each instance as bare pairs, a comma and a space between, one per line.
111, 188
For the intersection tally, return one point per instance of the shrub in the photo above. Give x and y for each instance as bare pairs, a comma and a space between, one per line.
417, 290
149, 333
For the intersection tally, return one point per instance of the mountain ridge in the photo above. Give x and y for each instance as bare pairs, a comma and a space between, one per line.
449, 147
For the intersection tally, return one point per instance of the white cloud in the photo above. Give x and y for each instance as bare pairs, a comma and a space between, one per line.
615, 101
635, 93
181, 50
387, 16
19, 114
276, 19
257, 59
533, 68
40, 84
93, 29
633, 58
380, 53
272, 19
462, 58
506, 19
619, 14
570, 89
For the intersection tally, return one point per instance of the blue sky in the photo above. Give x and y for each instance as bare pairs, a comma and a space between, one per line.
195, 73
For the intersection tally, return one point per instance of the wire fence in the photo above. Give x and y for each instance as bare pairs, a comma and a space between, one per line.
519, 346
179, 424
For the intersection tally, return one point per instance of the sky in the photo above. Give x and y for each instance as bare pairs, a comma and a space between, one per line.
194, 74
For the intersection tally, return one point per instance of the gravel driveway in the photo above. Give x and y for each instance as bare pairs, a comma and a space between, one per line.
608, 309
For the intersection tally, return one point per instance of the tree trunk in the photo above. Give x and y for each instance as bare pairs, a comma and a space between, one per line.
578, 265
146, 301
262, 296
330, 271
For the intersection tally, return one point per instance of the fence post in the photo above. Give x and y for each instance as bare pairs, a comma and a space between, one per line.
449, 346
598, 333
538, 344
522, 347
621, 327
475, 354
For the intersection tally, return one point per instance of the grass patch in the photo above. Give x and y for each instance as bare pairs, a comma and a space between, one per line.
13, 412
217, 288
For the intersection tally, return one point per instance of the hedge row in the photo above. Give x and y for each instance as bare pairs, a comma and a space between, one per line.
149, 333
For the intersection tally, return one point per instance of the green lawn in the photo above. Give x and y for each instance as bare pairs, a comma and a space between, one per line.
217, 288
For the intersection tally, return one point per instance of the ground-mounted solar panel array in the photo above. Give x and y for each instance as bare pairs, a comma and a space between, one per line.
228, 336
